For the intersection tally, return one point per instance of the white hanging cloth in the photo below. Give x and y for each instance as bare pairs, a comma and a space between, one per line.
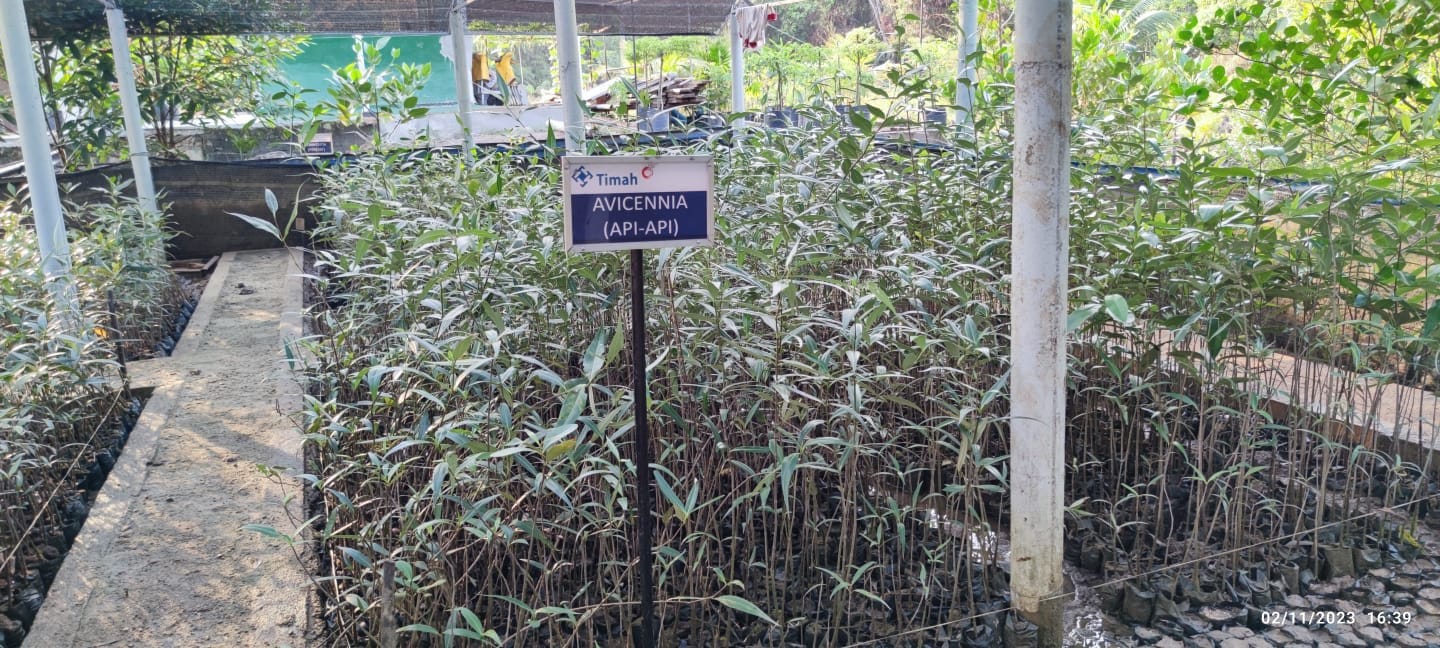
751, 22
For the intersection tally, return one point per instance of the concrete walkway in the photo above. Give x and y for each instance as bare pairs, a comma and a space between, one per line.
1357, 408
163, 560
1362, 409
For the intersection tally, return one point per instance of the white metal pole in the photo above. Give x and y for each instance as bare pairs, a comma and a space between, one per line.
35, 148
567, 48
965, 86
1040, 268
460, 50
737, 67
130, 104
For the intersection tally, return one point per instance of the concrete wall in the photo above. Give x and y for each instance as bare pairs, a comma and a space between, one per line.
200, 196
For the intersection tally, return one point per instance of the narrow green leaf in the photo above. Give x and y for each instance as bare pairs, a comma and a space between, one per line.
260, 224
664, 486
1215, 335
741, 605
265, 530
356, 557
420, 627
594, 359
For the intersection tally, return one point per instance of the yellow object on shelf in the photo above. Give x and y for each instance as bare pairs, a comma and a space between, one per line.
479, 67
505, 68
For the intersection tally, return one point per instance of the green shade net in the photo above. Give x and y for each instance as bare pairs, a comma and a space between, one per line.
311, 68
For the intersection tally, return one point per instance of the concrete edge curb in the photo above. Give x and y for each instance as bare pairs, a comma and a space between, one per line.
71, 592
289, 399
148, 373
205, 310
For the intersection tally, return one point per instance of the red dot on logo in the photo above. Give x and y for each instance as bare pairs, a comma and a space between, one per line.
647, 172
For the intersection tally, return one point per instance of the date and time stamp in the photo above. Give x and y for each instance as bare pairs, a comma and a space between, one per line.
1326, 617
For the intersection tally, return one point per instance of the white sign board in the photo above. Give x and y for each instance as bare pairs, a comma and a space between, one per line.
624, 202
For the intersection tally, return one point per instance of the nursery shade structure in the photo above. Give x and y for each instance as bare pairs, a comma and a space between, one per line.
609, 17
51, 18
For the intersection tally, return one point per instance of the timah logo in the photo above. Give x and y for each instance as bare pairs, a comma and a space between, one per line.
582, 176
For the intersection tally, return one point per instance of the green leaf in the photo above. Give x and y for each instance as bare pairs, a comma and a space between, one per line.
356, 557
1215, 335
594, 359
1432, 321
260, 224
515, 602
741, 605
669, 494
419, 627
472, 620
787, 474
559, 449
617, 344
1119, 309
551, 609
506, 452
1077, 319
263, 529
271, 201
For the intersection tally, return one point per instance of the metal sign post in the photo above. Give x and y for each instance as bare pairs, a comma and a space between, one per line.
633, 203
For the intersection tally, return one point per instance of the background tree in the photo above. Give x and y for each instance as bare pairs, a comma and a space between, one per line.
190, 68
1334, 82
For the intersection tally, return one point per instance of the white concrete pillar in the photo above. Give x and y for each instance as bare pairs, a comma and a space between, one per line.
35, 149
737, 68
460, 51
1040, 267
130, 104
965, 86
567, 49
